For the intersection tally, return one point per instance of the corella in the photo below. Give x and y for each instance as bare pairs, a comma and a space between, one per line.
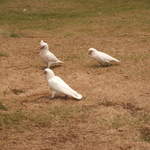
48, 56
57, 85
101, 57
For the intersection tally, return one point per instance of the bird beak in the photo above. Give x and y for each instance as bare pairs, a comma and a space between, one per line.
42, 47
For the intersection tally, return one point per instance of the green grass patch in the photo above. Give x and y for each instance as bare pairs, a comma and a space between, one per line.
8, 120
3, 1
74, 57
6, 33
143, 117
2, 107
136, 57
51, 14
116, 121
15, 35
17, 91
3, 54
145, 134
58, 115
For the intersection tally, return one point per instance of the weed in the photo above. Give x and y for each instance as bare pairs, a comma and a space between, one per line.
3, 54
2, 107
72, 12
138, 58
66, 35
120, 121
17, 91
15, 35
143, 117
145, 134
11, 119
42, 119
75, 57
58, 115
6, 33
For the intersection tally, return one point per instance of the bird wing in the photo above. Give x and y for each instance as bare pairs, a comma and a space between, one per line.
59, 85
48, 56
51, 57
107, 58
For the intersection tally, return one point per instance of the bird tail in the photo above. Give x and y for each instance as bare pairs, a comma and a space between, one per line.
76, 95
61, 62
116, 60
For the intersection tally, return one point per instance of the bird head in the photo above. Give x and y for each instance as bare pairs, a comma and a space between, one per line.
91, 50
43, 45
49, 73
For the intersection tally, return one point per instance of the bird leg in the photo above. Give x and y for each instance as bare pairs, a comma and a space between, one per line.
53, 94
49, 64
66, 97
105, 64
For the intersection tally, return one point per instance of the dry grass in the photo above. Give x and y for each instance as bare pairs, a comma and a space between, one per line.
3, 54
115, 112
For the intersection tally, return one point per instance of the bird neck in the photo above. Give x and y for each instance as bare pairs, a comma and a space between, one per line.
50, 75
45, 49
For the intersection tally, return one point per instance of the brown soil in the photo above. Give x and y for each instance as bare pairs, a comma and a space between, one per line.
116, 97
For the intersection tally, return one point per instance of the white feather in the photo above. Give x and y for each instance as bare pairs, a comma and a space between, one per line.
101, 56
58, 85
47, 56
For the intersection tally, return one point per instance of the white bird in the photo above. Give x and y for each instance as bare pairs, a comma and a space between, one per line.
101, 57
59, 86
47, 56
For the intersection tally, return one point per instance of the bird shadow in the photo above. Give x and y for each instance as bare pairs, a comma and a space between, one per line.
63, 98
52, 67
57, 97
103, 66
100, 66
42, 67
55, 66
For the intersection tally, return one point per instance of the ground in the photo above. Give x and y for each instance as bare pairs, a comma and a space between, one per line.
115, 111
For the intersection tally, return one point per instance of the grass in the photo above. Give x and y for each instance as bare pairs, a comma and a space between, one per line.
136, 57
2, 107
3, 54
68, 34
15, 35
6, 33
65, 116
143, 117
9, 120
77, 19
143, 120
132, 117
115, 121
145, 134
17, 91
74, 57
3, 1
49, 15
58, 115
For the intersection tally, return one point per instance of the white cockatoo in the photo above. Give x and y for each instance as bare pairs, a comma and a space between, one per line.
47, 56
101, 57
59, 86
